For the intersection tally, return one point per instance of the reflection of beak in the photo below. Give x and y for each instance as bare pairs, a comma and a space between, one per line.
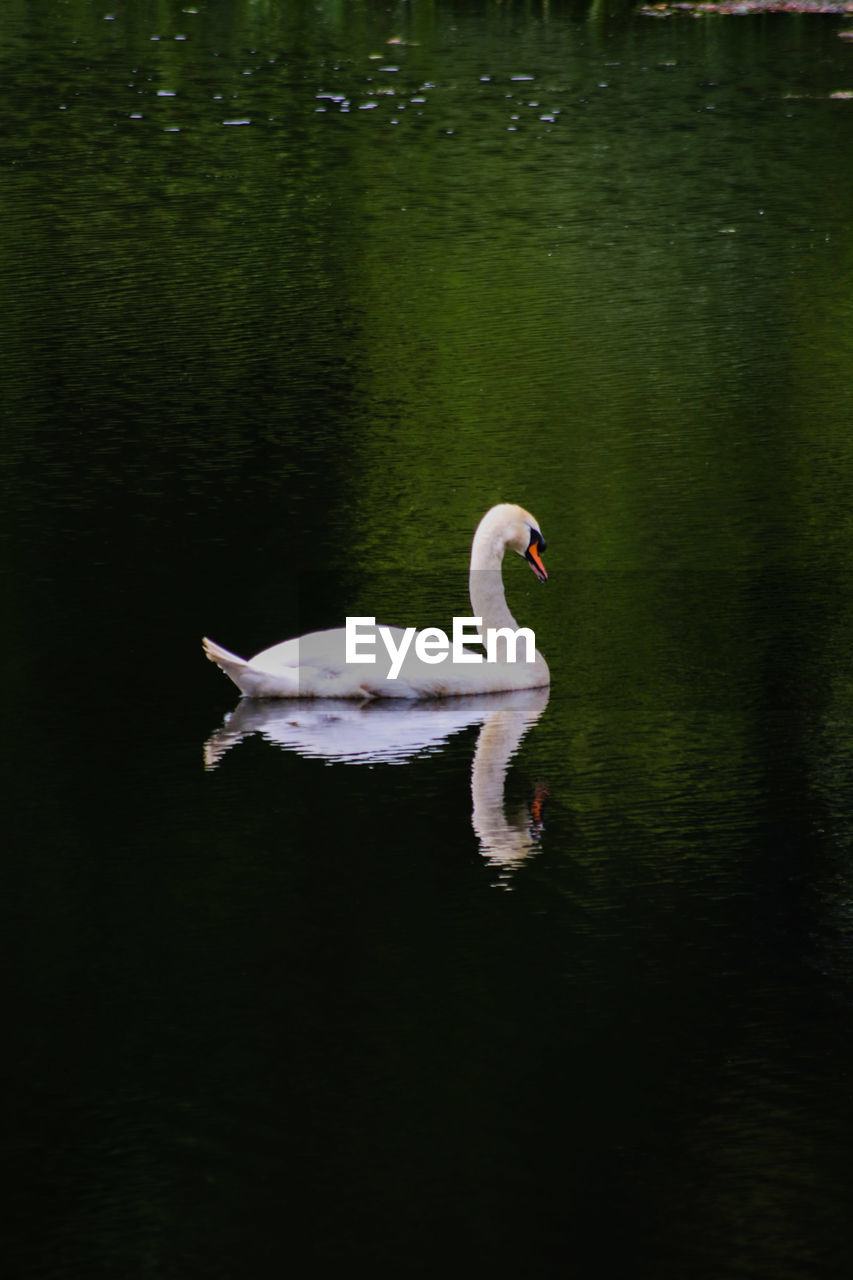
537, 804
534, 559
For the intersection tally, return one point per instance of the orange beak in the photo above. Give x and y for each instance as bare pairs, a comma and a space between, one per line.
534, 559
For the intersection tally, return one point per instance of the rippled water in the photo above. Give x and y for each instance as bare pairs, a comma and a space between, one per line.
558, 982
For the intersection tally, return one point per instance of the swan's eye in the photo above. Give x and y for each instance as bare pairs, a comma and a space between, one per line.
536, 540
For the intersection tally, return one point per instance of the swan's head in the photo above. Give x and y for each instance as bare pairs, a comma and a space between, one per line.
517, 529
533, 554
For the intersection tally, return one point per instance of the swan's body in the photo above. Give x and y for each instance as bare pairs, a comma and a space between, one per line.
315, 666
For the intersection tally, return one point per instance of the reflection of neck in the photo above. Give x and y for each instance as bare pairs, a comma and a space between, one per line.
502, 842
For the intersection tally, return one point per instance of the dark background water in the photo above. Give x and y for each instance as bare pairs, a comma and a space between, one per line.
292, 294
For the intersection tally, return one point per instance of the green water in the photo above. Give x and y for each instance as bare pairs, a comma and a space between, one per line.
292, 294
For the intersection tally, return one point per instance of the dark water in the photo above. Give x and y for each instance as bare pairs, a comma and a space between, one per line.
292, 294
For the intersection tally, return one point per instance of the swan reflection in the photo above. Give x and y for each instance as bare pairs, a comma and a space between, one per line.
386, 731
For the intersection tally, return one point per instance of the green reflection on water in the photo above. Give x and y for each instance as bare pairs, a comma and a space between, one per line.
257, 376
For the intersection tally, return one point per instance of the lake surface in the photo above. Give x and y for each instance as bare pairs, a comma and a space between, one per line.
292, 294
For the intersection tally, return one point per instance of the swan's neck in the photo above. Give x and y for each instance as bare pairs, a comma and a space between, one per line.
488, 601
485, 581
486, 590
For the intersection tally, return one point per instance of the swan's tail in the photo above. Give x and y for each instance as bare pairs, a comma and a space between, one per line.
233, 666
252, 680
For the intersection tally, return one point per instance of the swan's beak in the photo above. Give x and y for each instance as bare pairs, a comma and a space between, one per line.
534, 559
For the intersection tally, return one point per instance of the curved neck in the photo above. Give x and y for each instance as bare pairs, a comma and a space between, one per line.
485, 580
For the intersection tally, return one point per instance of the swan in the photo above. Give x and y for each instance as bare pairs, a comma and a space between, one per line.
315, 666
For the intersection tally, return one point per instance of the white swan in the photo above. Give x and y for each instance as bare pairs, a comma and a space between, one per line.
315, 666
